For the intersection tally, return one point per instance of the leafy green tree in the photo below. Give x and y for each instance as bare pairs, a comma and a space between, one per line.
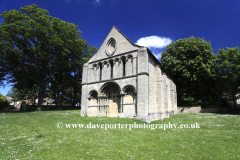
3, 72
191, 62
77, 66
3, 100
66, 87
23, 93
34, 46
228, 64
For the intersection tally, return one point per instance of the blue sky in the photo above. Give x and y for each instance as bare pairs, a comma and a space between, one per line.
152, 23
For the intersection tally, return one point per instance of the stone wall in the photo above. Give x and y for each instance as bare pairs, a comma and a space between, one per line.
152, 86
198, 109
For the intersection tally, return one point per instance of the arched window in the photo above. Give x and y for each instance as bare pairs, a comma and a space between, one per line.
129, 101
129, 65
111, 65
100, 65
124, 66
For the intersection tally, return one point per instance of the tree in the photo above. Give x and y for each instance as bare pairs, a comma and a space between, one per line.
66, 87
23, 93
77, 66
3, 72
191, 63
35, 46
228, 64
3, 100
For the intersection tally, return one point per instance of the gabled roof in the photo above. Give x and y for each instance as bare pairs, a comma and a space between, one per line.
133, 44
120, 37
126, 37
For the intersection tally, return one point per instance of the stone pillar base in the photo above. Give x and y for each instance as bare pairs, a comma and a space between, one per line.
166, 114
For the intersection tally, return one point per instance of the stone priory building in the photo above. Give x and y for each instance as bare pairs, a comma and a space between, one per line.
126, 80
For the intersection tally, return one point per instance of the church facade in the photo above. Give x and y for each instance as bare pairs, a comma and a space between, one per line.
126, 80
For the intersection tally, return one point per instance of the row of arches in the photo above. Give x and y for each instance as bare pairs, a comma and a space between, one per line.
111, 101
112, 68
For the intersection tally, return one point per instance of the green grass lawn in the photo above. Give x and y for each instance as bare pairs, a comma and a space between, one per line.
36, 135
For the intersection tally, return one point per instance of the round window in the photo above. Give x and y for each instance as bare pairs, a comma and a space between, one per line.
111, 47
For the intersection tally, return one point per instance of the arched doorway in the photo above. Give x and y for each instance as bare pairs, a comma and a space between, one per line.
129, 101
112, 93
113, 102
93, 103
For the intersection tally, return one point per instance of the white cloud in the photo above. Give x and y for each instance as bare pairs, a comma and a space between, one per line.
155, 43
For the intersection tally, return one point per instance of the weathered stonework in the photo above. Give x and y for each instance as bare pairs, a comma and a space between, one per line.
198, 109
126, 80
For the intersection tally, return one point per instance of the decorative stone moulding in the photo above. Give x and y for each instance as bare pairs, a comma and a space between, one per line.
111, 47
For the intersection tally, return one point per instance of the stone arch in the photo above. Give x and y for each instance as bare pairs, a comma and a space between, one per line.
105, 62
130, 94
123, 57
129, 65
129, 56
129, 100
94, 65
111, 93
104, 89
116, 60
129, 86
91, 92
93, 103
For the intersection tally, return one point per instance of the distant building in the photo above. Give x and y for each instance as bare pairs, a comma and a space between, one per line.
231, 102
9, 99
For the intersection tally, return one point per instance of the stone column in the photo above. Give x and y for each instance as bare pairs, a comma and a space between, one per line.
167, 101
108, 71
84, 101
172, 99
101, 106
120, 68
161, 100
98, 106
104, 70
134, 61
107, 106
142, 85
126, 67
121, 104
115, 68
175, 100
